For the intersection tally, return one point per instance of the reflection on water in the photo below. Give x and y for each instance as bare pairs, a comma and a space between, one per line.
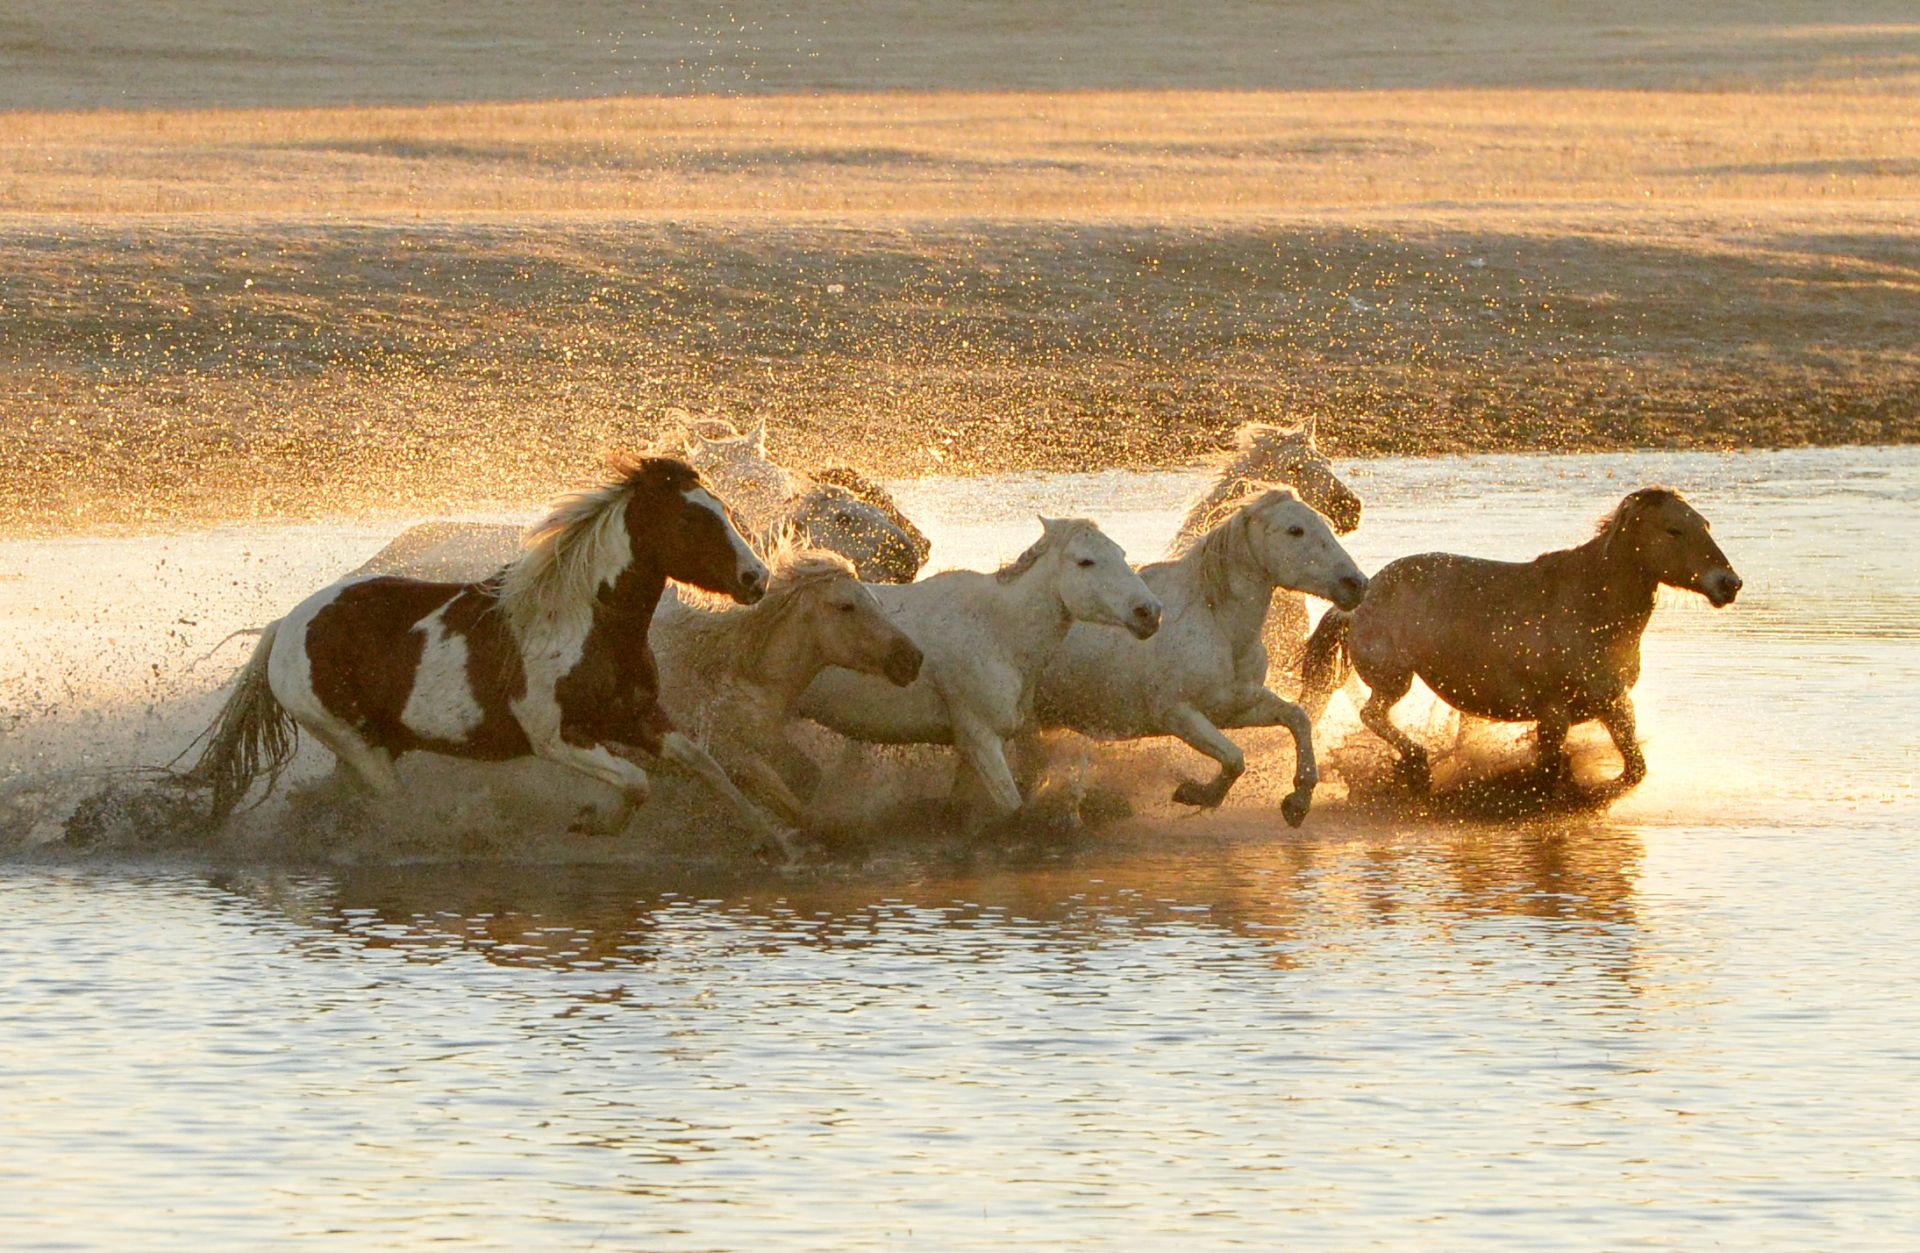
1686, 1023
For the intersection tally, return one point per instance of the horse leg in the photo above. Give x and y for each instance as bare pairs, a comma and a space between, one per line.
370, 764
596, 761
1198, 733
1269, 710
984, 753
678, 749
1617, 718
1383, 695
1550, 735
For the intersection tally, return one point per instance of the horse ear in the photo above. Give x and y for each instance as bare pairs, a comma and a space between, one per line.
757, 438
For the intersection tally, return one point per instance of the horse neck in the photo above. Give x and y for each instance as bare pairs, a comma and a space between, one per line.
1029, 611
1224, 484
781, 664
1220, 573
626, 607
1617, 595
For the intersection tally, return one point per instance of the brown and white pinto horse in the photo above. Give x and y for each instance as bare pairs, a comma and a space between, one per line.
549, 658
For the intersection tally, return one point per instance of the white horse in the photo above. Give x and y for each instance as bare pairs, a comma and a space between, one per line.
1206, 668
1265, 453
984, 638
734, 677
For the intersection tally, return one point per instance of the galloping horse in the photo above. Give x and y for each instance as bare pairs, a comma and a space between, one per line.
548, 659
1206, 668
735, 677
1264, 453
985, 638
1553, 641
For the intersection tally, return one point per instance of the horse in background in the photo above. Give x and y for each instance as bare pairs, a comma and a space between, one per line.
1553, 641
547, 659
836, 508
985, 638
840, 510
1264, 453
1205, 670
734, 677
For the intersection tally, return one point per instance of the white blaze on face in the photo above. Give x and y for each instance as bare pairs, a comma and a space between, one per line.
744, 559
441, 705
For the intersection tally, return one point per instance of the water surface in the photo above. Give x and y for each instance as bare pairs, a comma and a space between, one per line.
1689, 1022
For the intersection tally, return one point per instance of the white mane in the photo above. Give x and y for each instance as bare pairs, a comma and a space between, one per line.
581, 547
1215, 548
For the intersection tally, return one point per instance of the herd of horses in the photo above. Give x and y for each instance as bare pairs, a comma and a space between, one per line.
571, 642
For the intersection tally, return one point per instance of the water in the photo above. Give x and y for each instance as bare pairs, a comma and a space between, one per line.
1689, 1022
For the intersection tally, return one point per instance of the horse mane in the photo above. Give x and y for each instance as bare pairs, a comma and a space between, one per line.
1223, 492
1215, 546
1055, 532
716, 639
580, 547
1635, 500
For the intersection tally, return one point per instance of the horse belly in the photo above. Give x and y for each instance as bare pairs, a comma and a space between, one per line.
866, 708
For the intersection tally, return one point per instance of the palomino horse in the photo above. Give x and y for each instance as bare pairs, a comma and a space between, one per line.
549, 659
1206, 668
1553, 641
985, 638
1263, 453
735, 677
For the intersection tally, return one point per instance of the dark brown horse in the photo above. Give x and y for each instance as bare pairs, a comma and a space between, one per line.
1553, 641
548, 659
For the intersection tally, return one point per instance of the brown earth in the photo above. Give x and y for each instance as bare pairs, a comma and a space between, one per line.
286, 312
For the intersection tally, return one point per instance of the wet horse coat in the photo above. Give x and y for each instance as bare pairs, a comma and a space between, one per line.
549, 659
1554, 641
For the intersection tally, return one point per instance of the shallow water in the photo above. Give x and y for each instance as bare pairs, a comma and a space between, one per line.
1688, 1022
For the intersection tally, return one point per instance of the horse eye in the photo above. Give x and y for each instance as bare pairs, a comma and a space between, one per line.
846, 608
1086, 563
1674, 531
1296, 531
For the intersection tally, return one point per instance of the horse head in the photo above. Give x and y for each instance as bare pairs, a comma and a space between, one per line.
837, 520
1671, 543
738, 468
688, 531
1290, 455
1297, 549
1090, 576
847, 624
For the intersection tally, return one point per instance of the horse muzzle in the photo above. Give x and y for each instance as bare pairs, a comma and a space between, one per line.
1721, 587
1144, 621
902, 665
750, 585
1349, 590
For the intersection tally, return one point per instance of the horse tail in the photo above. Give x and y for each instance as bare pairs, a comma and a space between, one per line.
251, 736
1327, 662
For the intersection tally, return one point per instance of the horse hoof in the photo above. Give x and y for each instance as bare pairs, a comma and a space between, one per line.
1412, 775
1294, 808
1192, 792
